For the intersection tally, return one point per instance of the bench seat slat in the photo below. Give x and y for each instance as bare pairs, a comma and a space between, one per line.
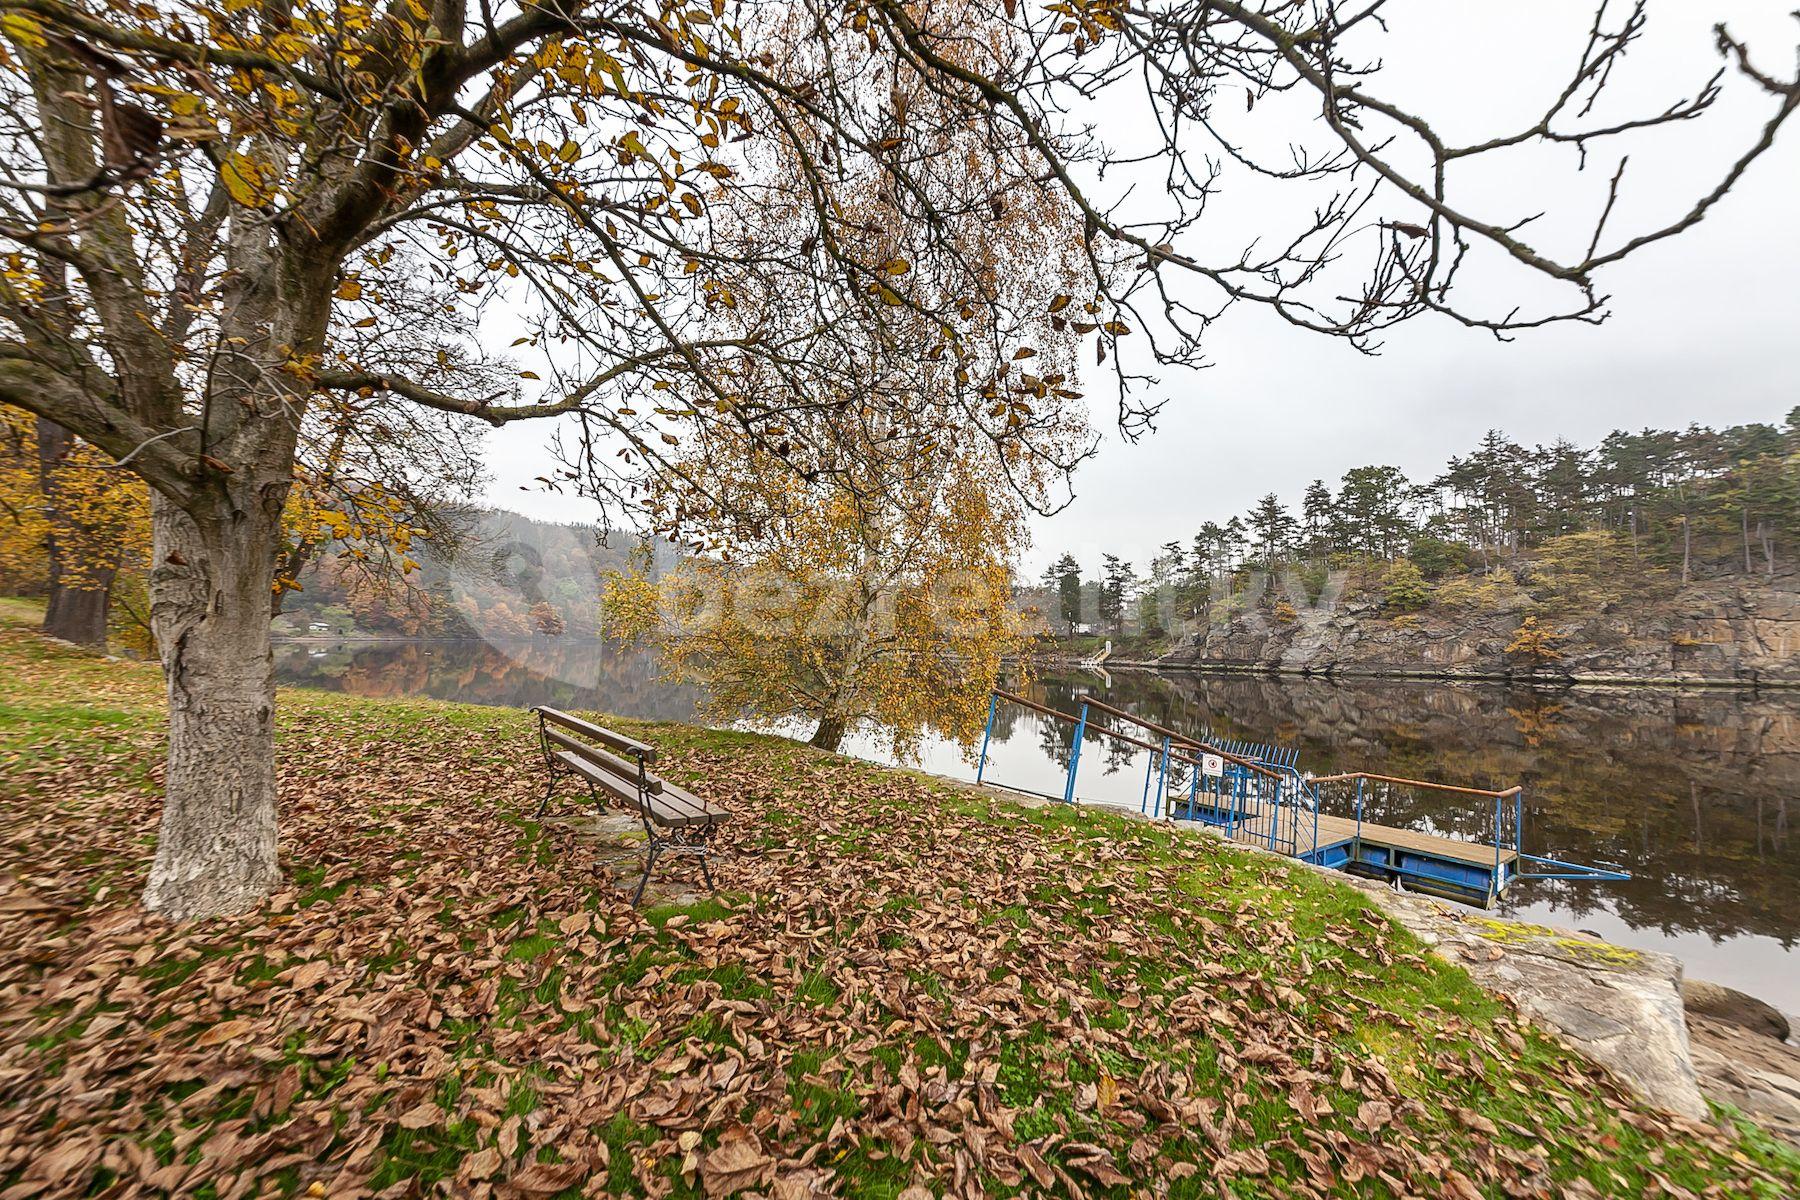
614, 741
704, 808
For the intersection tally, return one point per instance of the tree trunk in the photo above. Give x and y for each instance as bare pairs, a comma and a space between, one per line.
210, 607
80, 595
830, 733
76, 614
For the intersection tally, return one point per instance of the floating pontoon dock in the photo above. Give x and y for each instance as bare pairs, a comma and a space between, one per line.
1257, 795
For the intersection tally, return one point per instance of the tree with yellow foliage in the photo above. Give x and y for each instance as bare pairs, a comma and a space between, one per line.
845, 601
70, 522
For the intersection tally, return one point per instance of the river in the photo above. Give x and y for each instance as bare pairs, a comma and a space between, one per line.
1696, 793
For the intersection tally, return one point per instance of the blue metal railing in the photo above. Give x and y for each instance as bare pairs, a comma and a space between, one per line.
1258, 793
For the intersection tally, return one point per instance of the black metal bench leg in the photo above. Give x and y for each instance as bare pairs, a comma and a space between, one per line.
549, 787
649, 865
706, 869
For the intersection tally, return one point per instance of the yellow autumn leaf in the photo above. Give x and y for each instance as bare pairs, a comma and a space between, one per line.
350, 289
247, 181
24, 29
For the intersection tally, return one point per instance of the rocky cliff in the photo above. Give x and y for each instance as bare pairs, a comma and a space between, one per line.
1738, 631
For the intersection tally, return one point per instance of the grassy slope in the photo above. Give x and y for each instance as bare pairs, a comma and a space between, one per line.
903, 984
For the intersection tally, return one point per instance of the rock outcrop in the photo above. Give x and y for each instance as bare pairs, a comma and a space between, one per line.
1617, 1007
1729, 1006
1742, 630
1748, 1070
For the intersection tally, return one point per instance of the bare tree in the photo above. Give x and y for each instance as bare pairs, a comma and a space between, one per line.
206, 202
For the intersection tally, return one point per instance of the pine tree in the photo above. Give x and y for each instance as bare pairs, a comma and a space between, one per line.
1372, 508
1064, 577
1231, 543
1316, 513
1273, 527
1117, 581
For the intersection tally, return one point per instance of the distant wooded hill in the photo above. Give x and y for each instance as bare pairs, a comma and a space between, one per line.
510, 576
1683, 505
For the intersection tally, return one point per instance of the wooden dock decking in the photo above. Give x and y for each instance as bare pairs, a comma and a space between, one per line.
1334, 830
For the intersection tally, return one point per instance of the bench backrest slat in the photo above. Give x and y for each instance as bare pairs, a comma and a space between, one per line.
622, 767
606, 737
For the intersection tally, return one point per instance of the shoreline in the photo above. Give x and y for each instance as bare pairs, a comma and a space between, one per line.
1342, 675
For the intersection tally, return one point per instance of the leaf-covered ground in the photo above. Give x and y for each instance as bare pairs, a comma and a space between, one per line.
903, 986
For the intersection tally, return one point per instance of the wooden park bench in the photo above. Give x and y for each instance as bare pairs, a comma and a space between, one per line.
613, 765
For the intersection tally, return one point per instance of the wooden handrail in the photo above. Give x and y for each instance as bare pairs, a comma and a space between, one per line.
1182, 739
1185, 742
1032, 704
1423, 783
1074, 720
1173, 736
1119, 735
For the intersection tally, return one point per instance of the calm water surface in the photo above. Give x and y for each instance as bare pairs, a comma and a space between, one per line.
1694, 792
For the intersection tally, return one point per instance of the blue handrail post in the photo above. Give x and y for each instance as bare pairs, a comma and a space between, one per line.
1494, 881
987, 733
1075, 756
1193, 787
1315, 806
1162, 779
1359, 807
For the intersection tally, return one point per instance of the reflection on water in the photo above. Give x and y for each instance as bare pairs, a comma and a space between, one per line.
1693, 792
571, 673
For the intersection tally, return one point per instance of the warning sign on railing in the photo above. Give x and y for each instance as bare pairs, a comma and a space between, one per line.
1212, 764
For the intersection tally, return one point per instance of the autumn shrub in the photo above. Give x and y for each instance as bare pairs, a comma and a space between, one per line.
1533, 645
1588, 571
1404, 588
1480, 593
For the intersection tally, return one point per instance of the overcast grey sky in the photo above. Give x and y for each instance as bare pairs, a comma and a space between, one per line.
1705, 327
